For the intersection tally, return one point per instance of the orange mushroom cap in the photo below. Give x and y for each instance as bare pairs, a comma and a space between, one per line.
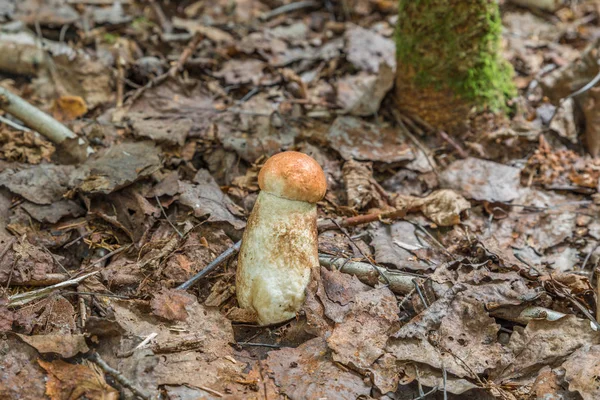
293, 176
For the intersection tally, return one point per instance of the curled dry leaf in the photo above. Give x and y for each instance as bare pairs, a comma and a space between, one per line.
170, 304
444, 207
73, 381
357, 178
68, 108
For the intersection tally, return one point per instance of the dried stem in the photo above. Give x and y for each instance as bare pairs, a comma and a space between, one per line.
24, 298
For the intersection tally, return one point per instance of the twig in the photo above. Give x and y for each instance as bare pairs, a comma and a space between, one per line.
584, 89
274, 346
49, 279
24, 298
14, 124
362, 219
34, 118
387, 281
162, 209
165, 24
415, 141
95, 357
288, 8
226, 255
454, 144
418, 289
187, 53
587, 258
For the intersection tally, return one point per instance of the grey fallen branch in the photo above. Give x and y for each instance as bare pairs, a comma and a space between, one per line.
24, 298
34, 118
400, 282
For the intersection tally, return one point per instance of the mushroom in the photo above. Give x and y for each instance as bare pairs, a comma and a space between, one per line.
279, 247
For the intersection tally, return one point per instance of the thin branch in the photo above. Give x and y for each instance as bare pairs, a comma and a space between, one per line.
118, 376
288, 8
165, 24
226, 255
34, 118
162, 209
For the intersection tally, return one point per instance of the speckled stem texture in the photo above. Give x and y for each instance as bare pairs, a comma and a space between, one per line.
278, 252
449, 60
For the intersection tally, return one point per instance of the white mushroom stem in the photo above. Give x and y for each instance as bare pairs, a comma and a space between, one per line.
278, 251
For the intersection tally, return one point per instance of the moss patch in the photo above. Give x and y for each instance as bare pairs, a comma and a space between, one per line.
455, 44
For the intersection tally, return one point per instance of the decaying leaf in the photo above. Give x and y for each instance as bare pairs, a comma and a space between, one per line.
290, 367
361, 338
21, 377
357, 178
482, 180
583, 371
42, 184
72, 381
356, 139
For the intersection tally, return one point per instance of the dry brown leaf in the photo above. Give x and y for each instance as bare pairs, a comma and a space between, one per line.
65, 345
171, 304
21, 377
26, 147
546, 343
290, 368
583, 371
361, 338
72, 381
68, 108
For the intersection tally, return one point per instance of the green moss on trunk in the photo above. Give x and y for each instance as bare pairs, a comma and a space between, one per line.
453, 46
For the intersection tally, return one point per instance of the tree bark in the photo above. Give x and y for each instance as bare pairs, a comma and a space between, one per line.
449, 60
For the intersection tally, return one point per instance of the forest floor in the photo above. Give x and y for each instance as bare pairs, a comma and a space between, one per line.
476, 252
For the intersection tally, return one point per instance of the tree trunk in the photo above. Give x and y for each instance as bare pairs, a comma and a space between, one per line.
449, 60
